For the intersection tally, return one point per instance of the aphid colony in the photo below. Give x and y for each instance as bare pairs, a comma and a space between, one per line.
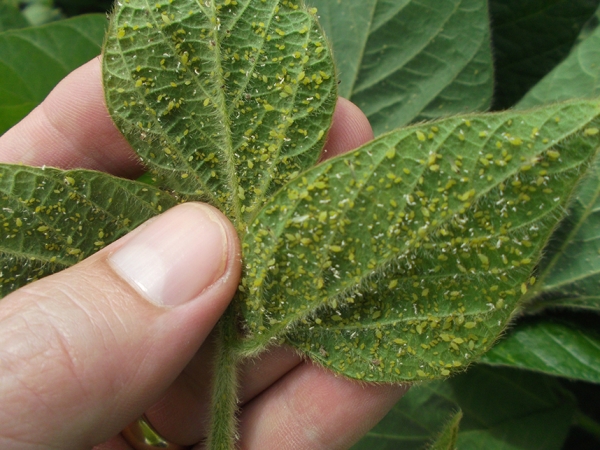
413, 251
52, 219
263, 79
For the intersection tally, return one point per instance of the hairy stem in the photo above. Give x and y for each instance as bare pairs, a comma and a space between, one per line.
222, 434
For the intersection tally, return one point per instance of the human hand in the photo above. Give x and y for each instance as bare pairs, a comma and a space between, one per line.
86, 351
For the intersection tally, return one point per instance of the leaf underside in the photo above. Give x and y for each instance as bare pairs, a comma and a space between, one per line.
52, 219
449, 435
570, 271
224, 100
406, 258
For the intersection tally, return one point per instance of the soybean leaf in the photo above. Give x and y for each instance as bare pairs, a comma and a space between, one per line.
576, 77
11, 17
530, 39
571, 268
554, 348
503, 409
34, 60
448, 437
40, 12
409, 60
512, 409
570, 271
226, 100
406, 258
51, 219
415, 421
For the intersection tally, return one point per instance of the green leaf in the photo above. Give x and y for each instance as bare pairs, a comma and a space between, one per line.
41, 12
11, 17
508, 409
225, 100
570, 270
405, 259
409, 60
34, 60
52, 219
553, 348
576, 77
415, 421
530, 39
448, 437
503, 409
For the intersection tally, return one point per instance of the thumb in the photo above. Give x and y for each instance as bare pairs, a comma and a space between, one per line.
86, 351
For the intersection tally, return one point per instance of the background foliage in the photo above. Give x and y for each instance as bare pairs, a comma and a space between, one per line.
403, 61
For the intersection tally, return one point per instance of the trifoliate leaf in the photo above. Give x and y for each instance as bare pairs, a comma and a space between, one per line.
406, 258
223, 99
52, 219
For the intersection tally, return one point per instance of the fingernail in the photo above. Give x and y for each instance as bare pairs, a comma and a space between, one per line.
176, 257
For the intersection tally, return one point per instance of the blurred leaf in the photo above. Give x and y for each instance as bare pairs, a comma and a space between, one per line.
414, 249
503, 409
53, 219
78, 7
530, 38
449, 436
34, 60
415, 421
11, 17
578, 76
553, 348
409, 60
41, 12
511, 409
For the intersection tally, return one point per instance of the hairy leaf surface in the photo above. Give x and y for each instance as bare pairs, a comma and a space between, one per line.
406, 258
52, 219
34, 60
502, 409
570, 271
408, 60
222, 99
449, 435
554, 348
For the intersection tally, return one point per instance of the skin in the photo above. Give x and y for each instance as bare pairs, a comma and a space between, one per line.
85, 352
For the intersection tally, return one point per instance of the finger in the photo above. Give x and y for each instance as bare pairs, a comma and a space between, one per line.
86, 351
71, 128
181, 415
350, 130
312, 409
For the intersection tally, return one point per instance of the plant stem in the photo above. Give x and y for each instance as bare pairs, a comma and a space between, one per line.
587, 423
222, 434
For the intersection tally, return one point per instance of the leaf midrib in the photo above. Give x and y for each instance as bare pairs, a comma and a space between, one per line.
167, 136
231, 173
